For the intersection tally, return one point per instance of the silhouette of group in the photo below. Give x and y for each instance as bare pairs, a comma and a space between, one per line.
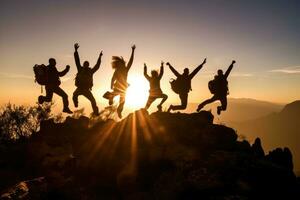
49, 76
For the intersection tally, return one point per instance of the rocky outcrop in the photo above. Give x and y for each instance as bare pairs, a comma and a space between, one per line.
157, 156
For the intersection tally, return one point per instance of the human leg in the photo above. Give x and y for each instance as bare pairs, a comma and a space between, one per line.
75, 97
57, 90
184, 99
223, 106
208, 101
88, 94
48, 97
164, 98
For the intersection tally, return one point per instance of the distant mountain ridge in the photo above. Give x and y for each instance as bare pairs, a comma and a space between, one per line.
276, 129
241, 109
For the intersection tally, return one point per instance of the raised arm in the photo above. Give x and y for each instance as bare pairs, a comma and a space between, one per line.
97, 66
131, 58
65, 71
145, 72
229, 69
173, 70
197, 69
76, 56
161, 71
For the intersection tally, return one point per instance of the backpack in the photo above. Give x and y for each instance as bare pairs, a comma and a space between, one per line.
84, 79
218, 86
180, 85
212, 86
41, 74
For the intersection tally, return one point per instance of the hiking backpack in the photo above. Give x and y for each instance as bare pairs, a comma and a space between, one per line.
212, 86
180, 85
217, 86
84, 79
41, 74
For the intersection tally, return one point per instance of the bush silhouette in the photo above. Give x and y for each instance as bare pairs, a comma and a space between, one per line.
18, 122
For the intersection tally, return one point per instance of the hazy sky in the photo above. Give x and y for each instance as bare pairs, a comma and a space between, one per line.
262, 36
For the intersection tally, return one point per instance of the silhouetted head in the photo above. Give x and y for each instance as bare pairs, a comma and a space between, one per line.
154, 73
117, 62
220, 72
186, 71
52, 62
86, 64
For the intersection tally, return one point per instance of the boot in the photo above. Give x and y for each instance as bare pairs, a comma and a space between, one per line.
170, 108
67, 110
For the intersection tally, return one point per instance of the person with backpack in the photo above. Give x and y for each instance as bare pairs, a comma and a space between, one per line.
119, 83
219, 88
50, 77
182, 85
155, 91
84, 80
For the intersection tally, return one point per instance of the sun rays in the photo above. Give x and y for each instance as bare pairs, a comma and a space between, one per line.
126, 140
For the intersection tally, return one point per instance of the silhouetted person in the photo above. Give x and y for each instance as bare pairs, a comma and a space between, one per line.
182, 85
119, 83
84, 80
155, 91
219, 89
53, 83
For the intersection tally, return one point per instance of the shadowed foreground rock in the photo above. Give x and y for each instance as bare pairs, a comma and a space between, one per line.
157, 156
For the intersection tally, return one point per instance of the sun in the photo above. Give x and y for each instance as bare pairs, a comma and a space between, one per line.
137, 92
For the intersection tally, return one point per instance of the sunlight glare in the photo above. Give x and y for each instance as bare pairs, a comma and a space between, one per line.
137, 92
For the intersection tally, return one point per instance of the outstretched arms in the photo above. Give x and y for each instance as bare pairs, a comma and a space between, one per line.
161, 71
131, 57
76, 56
172, 69
229, 69
65, 71
96, 67
197, 69
145, 72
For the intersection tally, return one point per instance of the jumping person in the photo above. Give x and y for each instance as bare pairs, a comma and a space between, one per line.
219, 88
155, 91
119, 80
84, 80
52, 85
182, 85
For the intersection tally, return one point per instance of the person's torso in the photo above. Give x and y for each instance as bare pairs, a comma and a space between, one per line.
53, 76
185, 82
154, 83
84, 78
121, 79
222, 85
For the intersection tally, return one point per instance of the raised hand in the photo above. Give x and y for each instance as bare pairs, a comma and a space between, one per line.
204, 61
101, 54
233, 61
76, 46
168, 63
68, 67
162, 63
133, 47
145, 66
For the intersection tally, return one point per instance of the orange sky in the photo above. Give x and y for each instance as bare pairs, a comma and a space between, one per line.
262, 38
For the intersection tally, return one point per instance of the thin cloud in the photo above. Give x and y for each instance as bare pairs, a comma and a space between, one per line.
17, 76
236, 74
23, 76
287, 70
241, 75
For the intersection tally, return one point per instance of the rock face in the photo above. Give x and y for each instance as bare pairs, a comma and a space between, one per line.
157, 156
